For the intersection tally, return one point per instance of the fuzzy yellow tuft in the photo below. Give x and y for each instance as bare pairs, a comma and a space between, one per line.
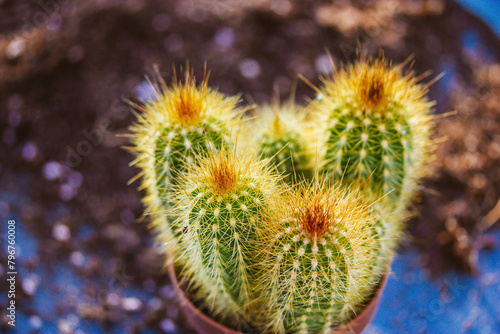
225, 170
315, 211
221, 173
276, 120
318, 208
277, 125
184, 102
374, 85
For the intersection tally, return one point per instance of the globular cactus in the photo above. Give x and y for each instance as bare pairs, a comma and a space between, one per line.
282, 136
319, 261
180, 123
377, 126
220, 203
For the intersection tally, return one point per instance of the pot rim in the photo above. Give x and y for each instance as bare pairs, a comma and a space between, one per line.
196, 316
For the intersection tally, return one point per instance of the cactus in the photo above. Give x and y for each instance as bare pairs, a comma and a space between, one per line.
283, 137
220, 204
377, 124
257, 252
377, 129
181, 123
319, 259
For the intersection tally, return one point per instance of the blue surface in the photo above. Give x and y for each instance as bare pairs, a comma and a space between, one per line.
487, 10
453, 303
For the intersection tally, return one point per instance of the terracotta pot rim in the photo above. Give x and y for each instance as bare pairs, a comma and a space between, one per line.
209, 325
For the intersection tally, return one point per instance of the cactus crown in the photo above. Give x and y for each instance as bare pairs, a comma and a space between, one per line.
314, 213
184, 102
374, 85
222, 173
224, 170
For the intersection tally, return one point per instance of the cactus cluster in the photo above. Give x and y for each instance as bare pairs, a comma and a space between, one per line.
293, 232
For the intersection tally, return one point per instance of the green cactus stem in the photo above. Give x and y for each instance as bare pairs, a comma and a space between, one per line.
377, 129
320, 260
220, 204
182, 122
282, 136
376, 124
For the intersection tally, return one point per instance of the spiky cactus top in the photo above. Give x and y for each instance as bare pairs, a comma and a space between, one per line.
220, 204
320, 260
283, 137
182, 122
377, 129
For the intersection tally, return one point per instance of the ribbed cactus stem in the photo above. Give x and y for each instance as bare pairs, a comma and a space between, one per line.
177, 146
182, 122
220, 204
376, 123
377, 129
283, 137
320, 260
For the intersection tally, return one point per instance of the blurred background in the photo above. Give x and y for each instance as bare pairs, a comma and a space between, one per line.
86, 264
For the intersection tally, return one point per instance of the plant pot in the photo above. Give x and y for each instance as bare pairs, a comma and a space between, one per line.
203, 324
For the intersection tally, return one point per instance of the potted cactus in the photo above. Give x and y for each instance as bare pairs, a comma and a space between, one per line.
250, 250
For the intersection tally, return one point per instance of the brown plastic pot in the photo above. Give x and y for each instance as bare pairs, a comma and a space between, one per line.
203, 324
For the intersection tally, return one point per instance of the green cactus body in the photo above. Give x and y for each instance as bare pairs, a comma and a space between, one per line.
283, 138
369, 147
182, 123
320, 261
377, 125
178, 146
220, 204
376, 156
